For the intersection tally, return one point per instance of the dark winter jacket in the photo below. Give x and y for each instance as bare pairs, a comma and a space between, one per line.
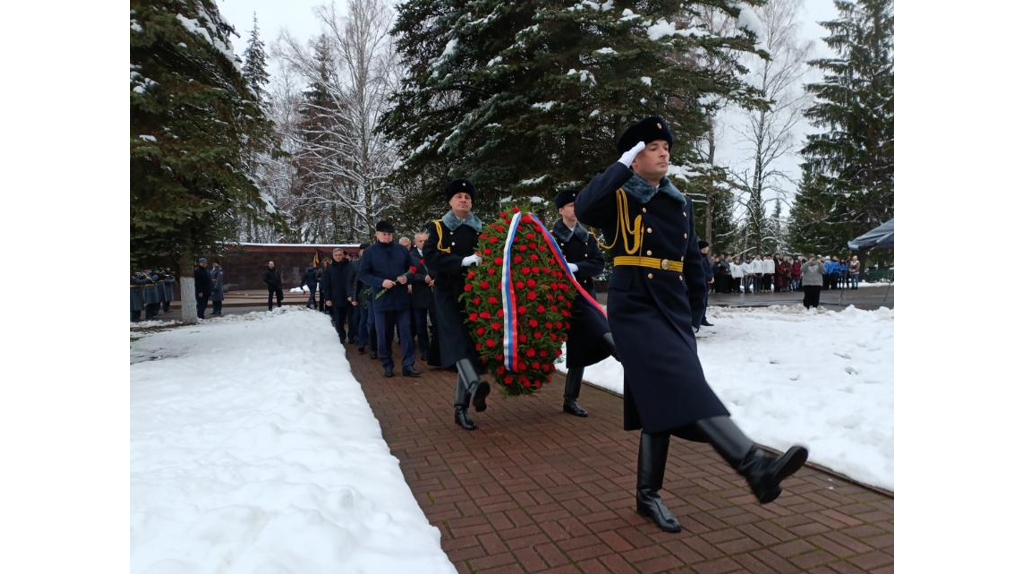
309, 279
204, 283
422, 296
336, 281
272, 278
386, 261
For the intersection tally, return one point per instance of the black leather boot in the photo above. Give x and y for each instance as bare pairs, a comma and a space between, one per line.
610, 345
764, 471
650, 474
474, 386
461, 404
573, 382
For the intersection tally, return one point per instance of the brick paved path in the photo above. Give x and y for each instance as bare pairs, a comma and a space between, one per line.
537, 490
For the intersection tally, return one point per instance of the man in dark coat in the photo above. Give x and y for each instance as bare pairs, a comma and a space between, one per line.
655, 302
449, 251
385, 267
367, 329
204, 284
337, 279
422, 295
168, 291
272, 279
352, 305
590, 338
309, 280
217, 291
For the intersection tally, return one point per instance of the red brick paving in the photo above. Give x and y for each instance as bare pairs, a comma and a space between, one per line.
536, 491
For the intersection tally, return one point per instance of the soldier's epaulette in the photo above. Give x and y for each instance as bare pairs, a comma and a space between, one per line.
440, 238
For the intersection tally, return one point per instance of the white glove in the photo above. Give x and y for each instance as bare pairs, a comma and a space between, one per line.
628, 157
573, 267
471, 260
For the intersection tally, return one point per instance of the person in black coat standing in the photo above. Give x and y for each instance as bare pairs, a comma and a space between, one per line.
422, 295
655, 303
385, 267
709, 278
272, 279
204, 287
337, 279
450, 250
590, 339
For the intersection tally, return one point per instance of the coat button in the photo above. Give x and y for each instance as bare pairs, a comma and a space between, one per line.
684, 213
686, 236
586, 255
643, 209
649, 230
680, 277
648, 252
650, 275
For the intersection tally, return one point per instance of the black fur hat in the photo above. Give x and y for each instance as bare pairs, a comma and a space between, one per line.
566, 196
647, 130
385, 226
459, 186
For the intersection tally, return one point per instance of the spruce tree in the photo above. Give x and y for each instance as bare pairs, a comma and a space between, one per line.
255, 68
523, 98
848, 181
191, 114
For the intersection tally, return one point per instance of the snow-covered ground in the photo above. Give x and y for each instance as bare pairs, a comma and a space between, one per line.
253, 450
821, 378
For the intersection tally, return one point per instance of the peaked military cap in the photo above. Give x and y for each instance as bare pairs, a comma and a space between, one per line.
647, 130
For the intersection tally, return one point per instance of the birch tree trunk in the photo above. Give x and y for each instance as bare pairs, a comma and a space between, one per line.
189, 312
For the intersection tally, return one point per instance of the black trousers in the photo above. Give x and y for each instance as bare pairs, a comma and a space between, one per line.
217, 306
201, 306
339, 313
812, 295
270, 296
151, 310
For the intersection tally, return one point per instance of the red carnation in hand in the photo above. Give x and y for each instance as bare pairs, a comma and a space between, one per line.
412, 268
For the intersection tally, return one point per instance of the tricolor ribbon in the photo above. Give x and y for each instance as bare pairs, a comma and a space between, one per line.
510, 338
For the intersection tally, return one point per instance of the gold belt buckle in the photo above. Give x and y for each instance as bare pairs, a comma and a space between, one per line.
664, 264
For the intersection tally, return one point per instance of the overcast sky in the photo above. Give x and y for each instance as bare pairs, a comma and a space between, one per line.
297, 18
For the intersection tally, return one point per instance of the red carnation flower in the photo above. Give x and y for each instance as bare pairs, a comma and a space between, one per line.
470, 274
495, 326
535, 269
522, 248
558, 325
501, 313
490, 342
485, 315
533, 245
530, 352
412, 268
487, 251
517, 259
558, 352
520, 285
472, 316
536, 334
478, 347
521, 310
481, 331
492, 300
503, 214
468, 287
533, 322
494, 239
543, 353
534, 257
508, 379
531, 283
554, 337
498, 260
536, 366
491, 271
515, 210
522, 338
549, 325
485, 285
531, 295
476, 300
540, 308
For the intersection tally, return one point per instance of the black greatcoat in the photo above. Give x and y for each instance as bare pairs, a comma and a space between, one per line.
204, 283
584, 346
653, 312
448, 242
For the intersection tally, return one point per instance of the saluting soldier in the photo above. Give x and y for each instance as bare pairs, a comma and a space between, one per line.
450, 250
655, 300
590, 338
